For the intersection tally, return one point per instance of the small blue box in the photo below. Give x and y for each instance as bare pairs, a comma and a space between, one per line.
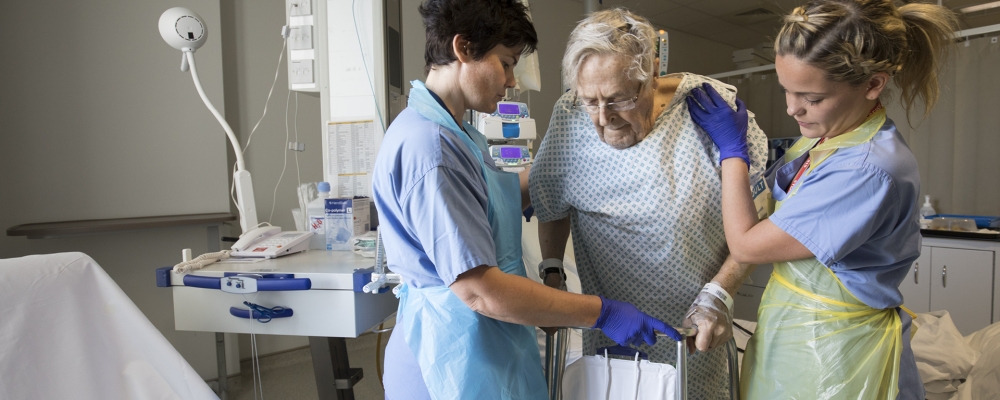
345, 217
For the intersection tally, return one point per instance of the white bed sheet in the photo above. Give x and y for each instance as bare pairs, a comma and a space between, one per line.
69, 332
953, 367
983, 381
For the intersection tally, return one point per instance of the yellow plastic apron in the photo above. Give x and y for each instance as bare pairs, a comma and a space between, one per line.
814, 339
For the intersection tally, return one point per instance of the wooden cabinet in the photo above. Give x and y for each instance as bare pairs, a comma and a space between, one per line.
955, 275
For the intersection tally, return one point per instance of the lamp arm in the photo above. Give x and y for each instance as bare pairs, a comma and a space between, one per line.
241, 178
240, 165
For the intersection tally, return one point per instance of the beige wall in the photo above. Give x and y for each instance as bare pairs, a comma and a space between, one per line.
250, 57
98, 121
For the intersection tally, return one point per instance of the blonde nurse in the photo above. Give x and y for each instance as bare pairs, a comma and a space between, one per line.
845, 228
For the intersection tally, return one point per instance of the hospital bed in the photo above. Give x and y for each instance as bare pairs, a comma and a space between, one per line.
69, 332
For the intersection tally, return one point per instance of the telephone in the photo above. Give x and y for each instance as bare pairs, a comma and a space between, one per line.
270, 242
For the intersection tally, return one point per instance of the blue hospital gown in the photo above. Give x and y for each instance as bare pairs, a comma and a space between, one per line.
646, 220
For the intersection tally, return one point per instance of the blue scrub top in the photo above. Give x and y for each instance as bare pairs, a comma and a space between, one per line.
432, 204
857, 212
432, 201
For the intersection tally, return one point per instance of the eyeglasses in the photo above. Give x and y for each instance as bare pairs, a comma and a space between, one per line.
623, 105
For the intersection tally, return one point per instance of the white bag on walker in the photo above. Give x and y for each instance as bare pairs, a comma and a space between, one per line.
601, 377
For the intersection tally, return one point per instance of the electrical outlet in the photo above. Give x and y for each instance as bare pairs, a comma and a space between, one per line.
301, 7
300, 38
301, 71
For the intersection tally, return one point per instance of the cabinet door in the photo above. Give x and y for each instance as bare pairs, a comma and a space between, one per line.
962, 283
916, 288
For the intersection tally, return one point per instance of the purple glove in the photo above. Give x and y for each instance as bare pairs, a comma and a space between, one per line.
626, 325
726, 127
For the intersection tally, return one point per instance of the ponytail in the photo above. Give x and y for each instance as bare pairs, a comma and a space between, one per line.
851, 40
929, 34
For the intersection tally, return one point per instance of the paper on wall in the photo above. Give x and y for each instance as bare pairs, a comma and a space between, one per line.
352, 157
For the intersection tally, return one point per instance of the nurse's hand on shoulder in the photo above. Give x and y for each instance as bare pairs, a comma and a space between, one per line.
626, 325
726, 127
713, 319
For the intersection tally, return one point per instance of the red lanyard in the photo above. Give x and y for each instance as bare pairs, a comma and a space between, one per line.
803, 169
805, 165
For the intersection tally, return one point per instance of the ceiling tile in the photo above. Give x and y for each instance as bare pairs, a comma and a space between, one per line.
710, 26
767, 28
784, 6
719, 8
740, 38
956, 4
980, 20
678, 17
645, 8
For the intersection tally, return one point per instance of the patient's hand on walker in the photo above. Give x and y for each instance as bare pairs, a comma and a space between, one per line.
714, 321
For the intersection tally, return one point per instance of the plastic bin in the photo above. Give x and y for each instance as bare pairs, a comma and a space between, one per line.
982, 221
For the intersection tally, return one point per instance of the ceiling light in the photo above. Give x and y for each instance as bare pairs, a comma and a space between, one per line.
981, 7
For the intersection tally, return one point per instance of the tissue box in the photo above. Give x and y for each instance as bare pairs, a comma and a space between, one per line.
346, 217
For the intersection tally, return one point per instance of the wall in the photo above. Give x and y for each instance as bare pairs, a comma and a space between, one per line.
90, 106
251, 44
76, 99
689, 53
93, 115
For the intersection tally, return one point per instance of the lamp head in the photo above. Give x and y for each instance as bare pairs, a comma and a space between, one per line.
182, 29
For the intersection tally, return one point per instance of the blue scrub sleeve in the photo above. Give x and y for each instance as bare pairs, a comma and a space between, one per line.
447, 214
838, 209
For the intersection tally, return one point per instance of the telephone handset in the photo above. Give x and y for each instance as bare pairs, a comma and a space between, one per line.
270, 242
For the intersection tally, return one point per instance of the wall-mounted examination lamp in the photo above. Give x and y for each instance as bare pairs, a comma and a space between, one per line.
185, 31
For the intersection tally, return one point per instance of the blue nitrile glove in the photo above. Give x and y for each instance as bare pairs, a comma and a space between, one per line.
626, 325
727, 127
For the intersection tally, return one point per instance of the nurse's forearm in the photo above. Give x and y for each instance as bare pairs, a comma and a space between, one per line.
519, 300
552, 237
738, 212
752, 241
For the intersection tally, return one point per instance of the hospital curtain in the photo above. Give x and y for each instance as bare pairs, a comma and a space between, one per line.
957, 145
764, 99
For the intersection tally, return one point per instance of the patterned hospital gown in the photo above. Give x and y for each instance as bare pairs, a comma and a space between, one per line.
646, 220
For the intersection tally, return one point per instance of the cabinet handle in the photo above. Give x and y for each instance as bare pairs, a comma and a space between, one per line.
916, 271
944, 276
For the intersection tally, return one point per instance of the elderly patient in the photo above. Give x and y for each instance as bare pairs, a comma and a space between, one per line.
623, 166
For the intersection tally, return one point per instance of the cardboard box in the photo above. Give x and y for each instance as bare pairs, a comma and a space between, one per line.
346, 217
